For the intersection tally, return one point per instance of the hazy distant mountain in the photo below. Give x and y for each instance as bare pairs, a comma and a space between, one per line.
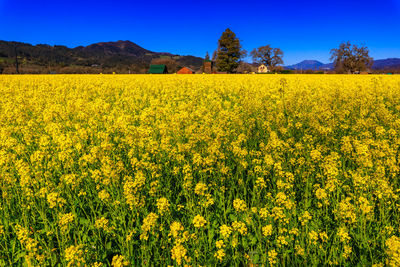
389, 63
379, 64
112, 48
119, 56
306, 65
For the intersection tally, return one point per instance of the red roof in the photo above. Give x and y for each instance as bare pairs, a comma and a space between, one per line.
186, 70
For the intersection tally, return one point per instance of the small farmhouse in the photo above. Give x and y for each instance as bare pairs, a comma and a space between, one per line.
158, 69
185, 70
263, 69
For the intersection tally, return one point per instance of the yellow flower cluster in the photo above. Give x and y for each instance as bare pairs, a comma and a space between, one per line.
74, 256
199, 221
199, 170
148, 222
239, 205
119, 261
393, 251
65, 220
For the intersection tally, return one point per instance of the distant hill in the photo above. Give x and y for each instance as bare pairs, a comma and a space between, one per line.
379, 64
120, 56
310, 65
384, 64
306, 65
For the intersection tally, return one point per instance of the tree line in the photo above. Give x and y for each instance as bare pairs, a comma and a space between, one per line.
347, 58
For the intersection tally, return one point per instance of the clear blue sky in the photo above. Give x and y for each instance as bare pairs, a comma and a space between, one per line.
303, 29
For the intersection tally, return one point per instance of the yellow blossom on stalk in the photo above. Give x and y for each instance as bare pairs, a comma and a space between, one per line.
240, 227
74, 256
220, 244
260, 183
267, 230
393, 251
200, 189
313, 236
343, 234
294, 231
346, 251
104, 195
102, 223
299, 250
55, 200
321, 194
129, 236
239, 205
153, 188
225, 231
220, 254
175, 228
323, 236
365, 206
234, 242
148, 222
272, 255
162, 205
281, 241
71, 179
65, 220
305, 218
178, 253
199, 221
119, 261
346, 211
264, 213
316, 155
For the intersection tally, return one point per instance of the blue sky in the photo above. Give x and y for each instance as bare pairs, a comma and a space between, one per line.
302, 29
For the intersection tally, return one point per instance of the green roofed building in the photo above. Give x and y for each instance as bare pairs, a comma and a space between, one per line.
158, 69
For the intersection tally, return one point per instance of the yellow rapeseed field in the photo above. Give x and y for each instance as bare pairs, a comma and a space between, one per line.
199, 170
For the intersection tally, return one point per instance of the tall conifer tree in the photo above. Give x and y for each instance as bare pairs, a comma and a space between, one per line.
229, 52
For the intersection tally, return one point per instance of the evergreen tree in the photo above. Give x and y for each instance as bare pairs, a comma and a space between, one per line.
207, 57
229, 52
214, 56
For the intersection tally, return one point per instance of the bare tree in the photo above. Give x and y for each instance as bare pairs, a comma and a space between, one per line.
350, 58
271, 57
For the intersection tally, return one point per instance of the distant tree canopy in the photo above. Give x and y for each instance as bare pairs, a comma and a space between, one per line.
229, 52
271, 57
351, 58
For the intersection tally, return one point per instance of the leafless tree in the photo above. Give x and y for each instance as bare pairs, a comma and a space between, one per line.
350, 58
271, 57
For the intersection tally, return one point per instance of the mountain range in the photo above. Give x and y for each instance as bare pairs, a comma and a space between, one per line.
380, 64
121, 56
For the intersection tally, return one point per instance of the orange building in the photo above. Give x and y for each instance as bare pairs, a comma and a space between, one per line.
186, 70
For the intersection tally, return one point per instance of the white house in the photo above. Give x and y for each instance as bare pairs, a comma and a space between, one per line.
263, 69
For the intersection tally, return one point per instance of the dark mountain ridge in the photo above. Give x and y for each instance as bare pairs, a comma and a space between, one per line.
379, 64
121, 56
